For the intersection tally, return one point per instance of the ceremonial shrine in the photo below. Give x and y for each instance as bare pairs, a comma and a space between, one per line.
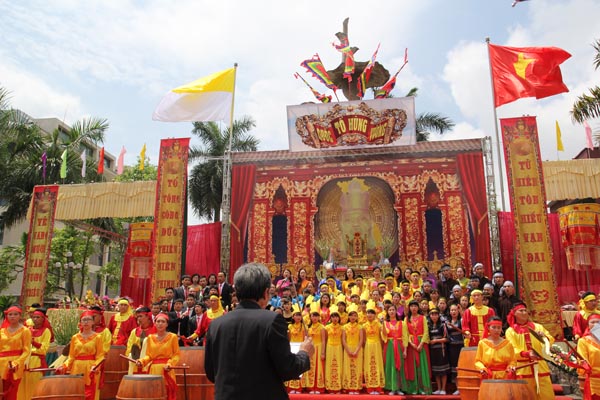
406, 204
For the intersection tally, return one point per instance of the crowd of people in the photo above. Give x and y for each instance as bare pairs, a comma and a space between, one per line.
401, 333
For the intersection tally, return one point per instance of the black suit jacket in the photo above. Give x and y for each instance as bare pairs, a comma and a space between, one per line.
226, 292
247, 355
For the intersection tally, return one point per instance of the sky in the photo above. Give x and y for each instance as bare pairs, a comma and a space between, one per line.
70, 59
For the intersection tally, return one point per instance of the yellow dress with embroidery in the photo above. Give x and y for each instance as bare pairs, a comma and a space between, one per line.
296, 333
373, 356
352, 376
334, 358
314, 378
496, 358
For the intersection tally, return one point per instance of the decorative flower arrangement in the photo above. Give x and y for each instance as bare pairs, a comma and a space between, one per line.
562, 360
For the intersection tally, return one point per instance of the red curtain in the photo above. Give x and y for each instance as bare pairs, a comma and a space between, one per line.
243, 178
203, 255
471, 174
134, 287
569, 282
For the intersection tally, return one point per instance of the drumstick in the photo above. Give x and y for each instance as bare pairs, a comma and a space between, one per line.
475, 371
95, 368
180, 367
131, 360
525, 365
41, 370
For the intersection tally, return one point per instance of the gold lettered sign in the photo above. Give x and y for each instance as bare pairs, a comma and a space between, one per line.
39, 240
169, 214
528, 204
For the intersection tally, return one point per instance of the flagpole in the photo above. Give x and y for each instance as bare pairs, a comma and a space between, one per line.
226, 199
498, 147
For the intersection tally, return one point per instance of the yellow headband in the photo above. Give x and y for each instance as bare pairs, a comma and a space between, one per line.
589, 297
123, 301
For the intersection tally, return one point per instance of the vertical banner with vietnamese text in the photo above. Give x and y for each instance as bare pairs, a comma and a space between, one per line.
528, 204
39, 239
169, 221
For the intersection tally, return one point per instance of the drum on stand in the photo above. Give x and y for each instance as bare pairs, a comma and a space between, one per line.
115, 368
68, 387
467, 382
504, 389
198, 385
142, 387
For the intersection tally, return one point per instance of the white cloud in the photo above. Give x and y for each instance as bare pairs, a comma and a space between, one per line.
36, 98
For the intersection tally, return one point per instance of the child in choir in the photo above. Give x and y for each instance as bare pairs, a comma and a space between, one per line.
324, 304
340, 302
373, 355
313, 380
334, 353
438, 337
296, 334
353, 339
456, 340
417, 357
395, 352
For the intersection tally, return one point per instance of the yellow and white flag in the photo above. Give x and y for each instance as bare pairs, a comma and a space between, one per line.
206, 99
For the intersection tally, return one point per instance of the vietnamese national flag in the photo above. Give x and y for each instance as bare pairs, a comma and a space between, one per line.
101, 162
526, 72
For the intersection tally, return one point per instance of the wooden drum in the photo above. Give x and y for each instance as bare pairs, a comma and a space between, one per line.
503, 389
196, 383
70, 387
142, 387
115, 368
467, 382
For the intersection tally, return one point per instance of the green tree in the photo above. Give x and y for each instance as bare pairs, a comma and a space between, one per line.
12, 259
22, 144
427, 122
206, 178
587, 106
81, 245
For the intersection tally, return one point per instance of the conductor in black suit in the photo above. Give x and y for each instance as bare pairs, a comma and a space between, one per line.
247, 352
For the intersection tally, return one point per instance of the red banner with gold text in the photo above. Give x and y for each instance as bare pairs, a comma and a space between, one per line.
169, 214
39, 239
528, 203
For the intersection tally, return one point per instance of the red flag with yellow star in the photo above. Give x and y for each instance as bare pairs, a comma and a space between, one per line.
526, 72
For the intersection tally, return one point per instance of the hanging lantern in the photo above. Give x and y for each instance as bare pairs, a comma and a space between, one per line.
140, 249
580, 235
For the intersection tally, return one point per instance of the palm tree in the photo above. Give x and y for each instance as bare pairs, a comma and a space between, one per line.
22, 144
206, 178
427, 122
588, 106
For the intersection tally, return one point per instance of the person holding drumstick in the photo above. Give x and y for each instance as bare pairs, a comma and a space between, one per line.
162, 354
495, 357
86, 353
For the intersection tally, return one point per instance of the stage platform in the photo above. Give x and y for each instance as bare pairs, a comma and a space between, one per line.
306, 396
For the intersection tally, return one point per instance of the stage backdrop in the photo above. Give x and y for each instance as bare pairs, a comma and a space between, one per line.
406, 203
